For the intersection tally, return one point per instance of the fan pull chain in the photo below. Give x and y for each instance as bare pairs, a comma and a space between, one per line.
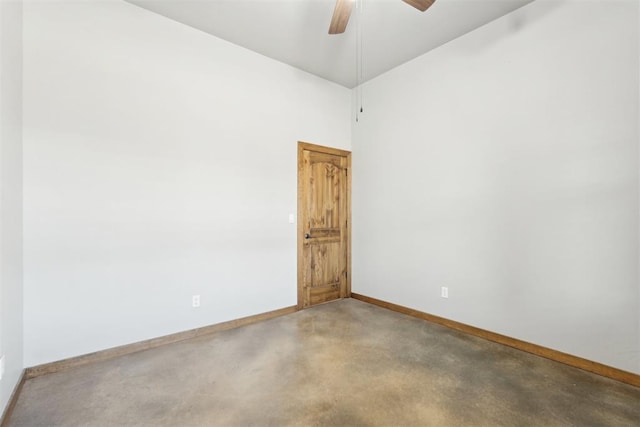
359, 73
360, 19
357, 64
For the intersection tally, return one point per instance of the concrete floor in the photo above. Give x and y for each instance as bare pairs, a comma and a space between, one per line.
346, 363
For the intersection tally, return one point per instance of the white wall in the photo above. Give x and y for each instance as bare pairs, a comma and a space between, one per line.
159, 162
10, 195
504, 165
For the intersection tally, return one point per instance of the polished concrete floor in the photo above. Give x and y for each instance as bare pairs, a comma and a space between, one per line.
346, 363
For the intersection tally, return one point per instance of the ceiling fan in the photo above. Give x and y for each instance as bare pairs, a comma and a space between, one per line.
342, 12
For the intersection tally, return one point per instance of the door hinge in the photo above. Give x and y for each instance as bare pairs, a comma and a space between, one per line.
346, 275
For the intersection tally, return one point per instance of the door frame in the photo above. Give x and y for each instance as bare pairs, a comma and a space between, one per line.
301, 194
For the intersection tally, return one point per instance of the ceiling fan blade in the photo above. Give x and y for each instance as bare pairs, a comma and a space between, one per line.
340, 17
421, 5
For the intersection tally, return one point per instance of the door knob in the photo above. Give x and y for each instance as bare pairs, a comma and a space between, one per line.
307, 235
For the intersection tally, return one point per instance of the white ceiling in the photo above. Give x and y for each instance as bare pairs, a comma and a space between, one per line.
295, 31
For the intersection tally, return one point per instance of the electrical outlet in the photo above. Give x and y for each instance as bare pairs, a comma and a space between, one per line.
444, 292
1, 367
195, 301
292, 219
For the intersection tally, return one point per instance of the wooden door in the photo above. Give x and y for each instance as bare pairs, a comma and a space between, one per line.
324, 207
